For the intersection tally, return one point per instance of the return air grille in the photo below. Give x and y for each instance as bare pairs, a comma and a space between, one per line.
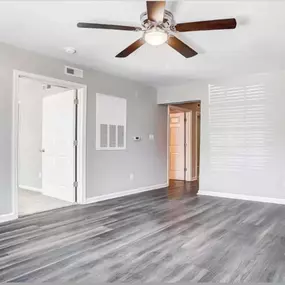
71, 71
111, 116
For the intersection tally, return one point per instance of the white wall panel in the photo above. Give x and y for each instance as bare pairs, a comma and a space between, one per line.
111, 122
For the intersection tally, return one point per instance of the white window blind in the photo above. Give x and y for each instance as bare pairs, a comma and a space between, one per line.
111, 120
240, 127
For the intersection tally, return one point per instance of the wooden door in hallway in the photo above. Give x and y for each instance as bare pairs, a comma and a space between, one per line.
177, 146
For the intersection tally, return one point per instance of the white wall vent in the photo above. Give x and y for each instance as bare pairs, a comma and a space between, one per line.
71, 71
111, 120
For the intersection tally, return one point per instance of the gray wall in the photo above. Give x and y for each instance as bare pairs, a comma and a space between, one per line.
30, 95
107, 172
242, 133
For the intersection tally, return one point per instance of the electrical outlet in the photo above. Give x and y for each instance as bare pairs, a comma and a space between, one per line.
132, 176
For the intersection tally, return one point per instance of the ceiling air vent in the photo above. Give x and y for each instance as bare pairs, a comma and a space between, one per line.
73, 71
46, 86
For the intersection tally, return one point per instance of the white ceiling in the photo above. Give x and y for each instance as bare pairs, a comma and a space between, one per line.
258, 43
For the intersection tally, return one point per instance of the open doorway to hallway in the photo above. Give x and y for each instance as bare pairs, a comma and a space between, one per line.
184, 147
45, 146
48, 143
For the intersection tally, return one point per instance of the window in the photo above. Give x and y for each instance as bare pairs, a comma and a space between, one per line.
240, 127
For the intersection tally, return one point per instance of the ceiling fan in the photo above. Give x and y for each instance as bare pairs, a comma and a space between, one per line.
158, 27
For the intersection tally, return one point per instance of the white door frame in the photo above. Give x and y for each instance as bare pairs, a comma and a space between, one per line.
81, 129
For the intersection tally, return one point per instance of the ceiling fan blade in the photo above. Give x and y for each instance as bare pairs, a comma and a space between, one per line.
155, 10
207, 25
180, 47
130, 49
107, 27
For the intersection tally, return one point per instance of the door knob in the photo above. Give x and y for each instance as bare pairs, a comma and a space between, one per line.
42, 150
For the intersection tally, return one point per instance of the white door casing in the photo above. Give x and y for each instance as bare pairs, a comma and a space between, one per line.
57, 146
82, 121
176, 146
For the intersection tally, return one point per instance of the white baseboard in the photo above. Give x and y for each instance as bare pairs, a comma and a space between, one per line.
25, 187
8, 217
191, 180
125, 193
243, 197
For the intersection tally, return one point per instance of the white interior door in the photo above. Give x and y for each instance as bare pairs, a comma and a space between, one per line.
176, 146
57, 146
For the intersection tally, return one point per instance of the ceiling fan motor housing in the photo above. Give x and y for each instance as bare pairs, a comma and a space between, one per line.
168, 24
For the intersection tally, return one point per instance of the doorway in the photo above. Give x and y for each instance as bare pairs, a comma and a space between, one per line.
184, 146
48, 143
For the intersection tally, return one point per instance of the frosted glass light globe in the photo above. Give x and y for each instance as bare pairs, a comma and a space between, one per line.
155, 37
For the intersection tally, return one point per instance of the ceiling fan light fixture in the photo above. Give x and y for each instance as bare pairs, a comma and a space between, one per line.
159, 27
155, 37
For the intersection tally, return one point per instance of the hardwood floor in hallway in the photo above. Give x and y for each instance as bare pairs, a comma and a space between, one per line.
153, 236
181, 188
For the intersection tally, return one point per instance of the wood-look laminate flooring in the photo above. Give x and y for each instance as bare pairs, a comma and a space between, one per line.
148, 237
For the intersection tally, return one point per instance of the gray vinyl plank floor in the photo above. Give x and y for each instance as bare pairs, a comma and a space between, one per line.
153, 236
